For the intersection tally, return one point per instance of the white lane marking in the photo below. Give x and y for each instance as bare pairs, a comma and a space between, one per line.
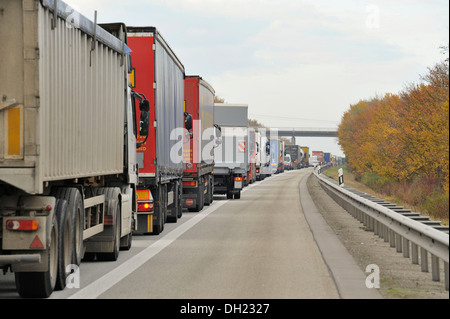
96, 288
99, 286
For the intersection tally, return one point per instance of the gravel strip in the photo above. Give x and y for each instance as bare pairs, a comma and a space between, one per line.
399, 278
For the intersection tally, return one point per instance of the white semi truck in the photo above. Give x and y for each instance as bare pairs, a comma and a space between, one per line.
231, 159
68, 168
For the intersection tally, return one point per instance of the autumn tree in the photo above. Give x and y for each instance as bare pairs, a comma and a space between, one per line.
401, 136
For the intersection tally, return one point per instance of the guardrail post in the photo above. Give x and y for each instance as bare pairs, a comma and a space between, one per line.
424, 259
414, 254
405, 247
392, 238
398, 243
446, 275
341, 177
386, 233
375, 227
435, 276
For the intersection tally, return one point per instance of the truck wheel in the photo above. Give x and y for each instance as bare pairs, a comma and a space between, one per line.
114, 206
64, 244
174, 207
209, 193
159, 210
112, 209
125, 242
76, 212
41, 284
237, 195
180, 192
229, 196
201, 195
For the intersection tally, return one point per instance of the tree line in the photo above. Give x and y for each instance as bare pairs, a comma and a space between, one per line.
402, 137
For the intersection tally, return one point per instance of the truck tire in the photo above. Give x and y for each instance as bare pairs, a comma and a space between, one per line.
125, 242
41, 284
76, 212
180, 201
175, 207
209, 192
64, 243
158, 197
112, 209
237, 195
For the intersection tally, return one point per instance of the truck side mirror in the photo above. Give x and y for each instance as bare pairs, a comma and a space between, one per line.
187, 121
218, 130
144, 122
268, 148
144, 105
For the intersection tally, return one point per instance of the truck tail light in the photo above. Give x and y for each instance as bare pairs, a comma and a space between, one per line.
145, 203
238, 179
145, 207
190, 183
24, 225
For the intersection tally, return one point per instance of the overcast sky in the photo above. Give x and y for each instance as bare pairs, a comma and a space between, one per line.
296, 63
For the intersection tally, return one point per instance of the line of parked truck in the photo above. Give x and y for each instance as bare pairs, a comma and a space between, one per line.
325, 158
102, 136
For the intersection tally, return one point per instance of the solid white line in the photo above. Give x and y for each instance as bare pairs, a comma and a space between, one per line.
99, 286
104, 283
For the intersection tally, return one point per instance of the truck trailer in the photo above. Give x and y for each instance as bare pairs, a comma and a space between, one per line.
263, 168
198, 155
295, 153
275, 156
231, 157
327, 158
252, 153
318, 157
306, 157
68, 168
159, 76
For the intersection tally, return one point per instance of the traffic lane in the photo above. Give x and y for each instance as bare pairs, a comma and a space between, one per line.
257, 247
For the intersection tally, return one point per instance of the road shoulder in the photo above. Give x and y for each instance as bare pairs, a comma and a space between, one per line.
399, 278
349, 278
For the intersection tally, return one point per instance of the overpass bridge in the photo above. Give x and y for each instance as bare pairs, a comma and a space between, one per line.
304, 132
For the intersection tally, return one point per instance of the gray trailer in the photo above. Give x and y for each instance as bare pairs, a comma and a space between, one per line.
296, 154
68, 169
231, 157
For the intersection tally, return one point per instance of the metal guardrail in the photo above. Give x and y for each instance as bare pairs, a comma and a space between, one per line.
410, 233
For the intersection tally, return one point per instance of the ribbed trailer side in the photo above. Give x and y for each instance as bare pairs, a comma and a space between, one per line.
169, 76
71, 110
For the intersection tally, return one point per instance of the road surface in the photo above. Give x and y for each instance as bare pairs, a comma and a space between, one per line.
271, 243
